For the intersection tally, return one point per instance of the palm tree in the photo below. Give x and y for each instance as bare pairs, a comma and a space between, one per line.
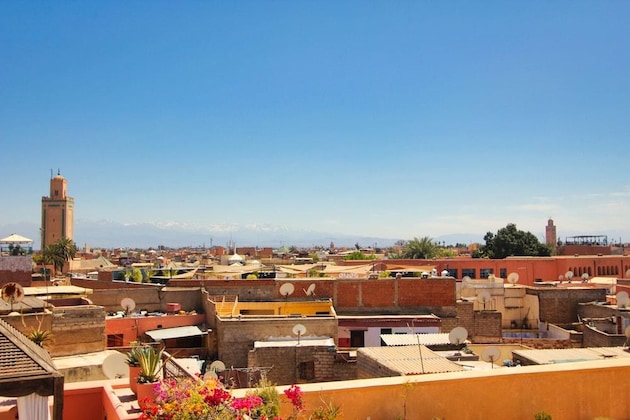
420, 248
58, 253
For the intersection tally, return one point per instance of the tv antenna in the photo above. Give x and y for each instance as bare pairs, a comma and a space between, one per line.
128, 305
491, 354
214, 368
299, 330
457, 336
512, 278
622, 299
12, 293
115, 366
568, 275
310, 291
287, 289
484, 297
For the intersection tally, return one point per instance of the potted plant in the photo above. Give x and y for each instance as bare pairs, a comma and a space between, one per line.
150, 362
134, 367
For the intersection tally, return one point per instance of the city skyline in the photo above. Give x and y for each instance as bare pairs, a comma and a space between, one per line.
379, 120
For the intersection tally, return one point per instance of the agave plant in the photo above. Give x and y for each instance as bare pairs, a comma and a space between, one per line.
39, 337
150, 362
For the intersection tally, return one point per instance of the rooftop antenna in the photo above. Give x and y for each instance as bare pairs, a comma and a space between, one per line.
568, 275
12, 293
490, 354
299, 330
286, 290
310, 291
457, 336
128, 305
512, 278
585, 278
484, 297
622, 299
115, 366
214, 368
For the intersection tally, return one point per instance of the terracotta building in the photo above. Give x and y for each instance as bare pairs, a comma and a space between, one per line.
57, 213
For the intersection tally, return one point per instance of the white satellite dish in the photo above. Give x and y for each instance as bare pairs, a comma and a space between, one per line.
484, 297
115, 366
458, 335
513, 278
491, 354
465, 280
299, 330
287, 289
584, 277
311, 290
568, 275
560, 278
217, 366
627, 273
622, 299
128, 304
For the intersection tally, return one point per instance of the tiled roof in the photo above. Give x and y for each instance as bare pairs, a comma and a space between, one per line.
20, 357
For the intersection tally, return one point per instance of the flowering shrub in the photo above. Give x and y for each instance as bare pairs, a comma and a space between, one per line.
205, 399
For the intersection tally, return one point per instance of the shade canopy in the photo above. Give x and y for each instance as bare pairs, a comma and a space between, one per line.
175, 332
14, 238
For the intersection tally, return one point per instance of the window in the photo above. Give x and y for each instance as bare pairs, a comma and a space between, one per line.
470, 272
452, 272
503, 273
385, 331
114, 340
357, 338
307, 370
485, 272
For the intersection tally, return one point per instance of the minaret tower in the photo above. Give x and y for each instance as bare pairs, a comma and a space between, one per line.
550, 235
57, 213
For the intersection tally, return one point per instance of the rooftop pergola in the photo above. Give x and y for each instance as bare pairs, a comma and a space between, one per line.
15, 241
26, 368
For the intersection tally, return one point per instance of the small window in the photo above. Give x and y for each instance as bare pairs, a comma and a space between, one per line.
503, 273
485, 272
357, 338
385, 331
470, 272
307, 370
114, 340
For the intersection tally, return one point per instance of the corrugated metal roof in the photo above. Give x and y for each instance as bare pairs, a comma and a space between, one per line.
409, 360
20, 357
175, 332
549, 356
415, 339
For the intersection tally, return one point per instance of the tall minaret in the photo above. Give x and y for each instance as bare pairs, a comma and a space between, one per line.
550, 235
57, 213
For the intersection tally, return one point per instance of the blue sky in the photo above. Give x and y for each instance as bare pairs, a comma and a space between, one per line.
393, 119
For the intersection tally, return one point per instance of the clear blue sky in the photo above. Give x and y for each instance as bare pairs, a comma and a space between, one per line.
394, 119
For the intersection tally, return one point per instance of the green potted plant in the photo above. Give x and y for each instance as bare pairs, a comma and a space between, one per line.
150, 362
134, 366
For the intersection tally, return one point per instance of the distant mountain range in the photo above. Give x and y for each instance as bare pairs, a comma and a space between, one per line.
109, 234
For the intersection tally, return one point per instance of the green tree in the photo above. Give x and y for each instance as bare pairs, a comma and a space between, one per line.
58, 253
420, 248
509, 241
358, 255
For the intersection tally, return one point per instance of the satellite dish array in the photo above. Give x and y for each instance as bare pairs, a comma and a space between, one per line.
214, 368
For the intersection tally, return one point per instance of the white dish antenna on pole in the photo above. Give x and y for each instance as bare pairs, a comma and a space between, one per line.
568, 275
299, 330
491, 354
128, 305
622, 299
311, 290
12, 293
484, 297
512, 278
287, 289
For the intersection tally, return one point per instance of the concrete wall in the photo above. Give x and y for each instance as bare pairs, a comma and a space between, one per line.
236, 337
560, 306
148, 298
16, 269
